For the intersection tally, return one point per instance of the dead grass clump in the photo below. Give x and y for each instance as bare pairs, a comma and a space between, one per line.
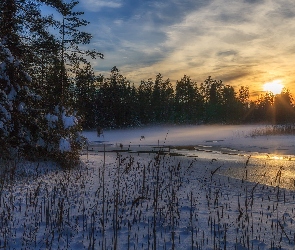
286, 129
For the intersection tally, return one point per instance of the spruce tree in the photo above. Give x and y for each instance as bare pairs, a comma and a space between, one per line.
145, 94
18, 129
70, 60
85, 93
187, 100
35, 119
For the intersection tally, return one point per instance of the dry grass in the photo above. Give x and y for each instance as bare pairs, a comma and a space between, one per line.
162, 203
287, 129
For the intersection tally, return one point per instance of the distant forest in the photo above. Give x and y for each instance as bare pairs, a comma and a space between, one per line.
115, 102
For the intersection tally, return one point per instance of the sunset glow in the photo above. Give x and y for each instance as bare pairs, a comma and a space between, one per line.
275, 87
225, 40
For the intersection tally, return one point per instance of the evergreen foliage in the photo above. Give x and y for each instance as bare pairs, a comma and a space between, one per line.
37, 118
114, 103
84, 95
187, 101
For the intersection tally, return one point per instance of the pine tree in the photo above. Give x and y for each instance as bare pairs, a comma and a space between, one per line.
230, 105
18, 128
211, 91
145, 94
187, 101
85, 92
116, 101
166, 99
32, 122
284, 107
63, 119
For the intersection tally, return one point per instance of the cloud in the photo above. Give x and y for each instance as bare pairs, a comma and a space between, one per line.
254, 31
96, 5
240, 42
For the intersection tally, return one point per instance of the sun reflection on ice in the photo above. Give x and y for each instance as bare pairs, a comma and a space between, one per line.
274, 157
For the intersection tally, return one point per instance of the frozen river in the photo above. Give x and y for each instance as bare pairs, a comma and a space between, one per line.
232, 149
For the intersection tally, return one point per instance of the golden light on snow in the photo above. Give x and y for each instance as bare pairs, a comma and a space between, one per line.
278, 157
275, 87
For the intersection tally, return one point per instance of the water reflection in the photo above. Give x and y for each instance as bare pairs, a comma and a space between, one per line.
264, 168
275, 157
268, 169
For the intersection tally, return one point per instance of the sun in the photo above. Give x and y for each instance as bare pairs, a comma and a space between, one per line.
275, 87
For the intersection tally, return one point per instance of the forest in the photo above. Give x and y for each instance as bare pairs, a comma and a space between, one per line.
49, 91
115, 102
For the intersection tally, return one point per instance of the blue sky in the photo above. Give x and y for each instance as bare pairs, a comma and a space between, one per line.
241, 42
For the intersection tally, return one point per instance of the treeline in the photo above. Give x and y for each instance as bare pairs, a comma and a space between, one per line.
116, 102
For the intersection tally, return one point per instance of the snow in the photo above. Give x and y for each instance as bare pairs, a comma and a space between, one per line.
9, 56
5, 114
21, 107
52, 119
69, 121
28, 77
41, 142
64, 145
2, 67
12, 94
228, 194
233, 136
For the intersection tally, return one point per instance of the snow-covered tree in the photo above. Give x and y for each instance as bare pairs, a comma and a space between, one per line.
17, 121
34, 121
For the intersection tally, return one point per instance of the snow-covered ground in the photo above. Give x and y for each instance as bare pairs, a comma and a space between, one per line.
222, 189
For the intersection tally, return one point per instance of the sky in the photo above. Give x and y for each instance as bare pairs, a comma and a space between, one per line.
244, 42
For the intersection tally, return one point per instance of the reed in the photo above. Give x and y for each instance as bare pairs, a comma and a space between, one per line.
135, 203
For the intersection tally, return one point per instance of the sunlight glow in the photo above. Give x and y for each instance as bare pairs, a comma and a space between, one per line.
273, 157
275, 87
278, 157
